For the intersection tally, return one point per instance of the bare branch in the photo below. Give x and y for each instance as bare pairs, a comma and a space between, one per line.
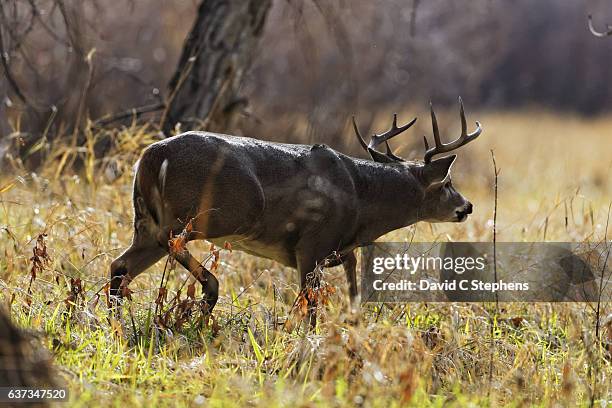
131, 113
597, 33
4, 59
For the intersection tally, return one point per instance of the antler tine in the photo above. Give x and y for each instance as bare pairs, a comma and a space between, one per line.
390, 152
394, 131
599, 33
358, 134
463, 139
434, 125
463, 121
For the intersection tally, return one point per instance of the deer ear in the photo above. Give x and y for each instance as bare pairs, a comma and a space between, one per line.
437, 170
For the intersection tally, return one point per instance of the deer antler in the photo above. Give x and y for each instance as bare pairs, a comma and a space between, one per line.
440, 147
599, 33
377, 140
394, 131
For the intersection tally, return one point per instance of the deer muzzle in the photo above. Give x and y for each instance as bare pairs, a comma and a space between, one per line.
462, 214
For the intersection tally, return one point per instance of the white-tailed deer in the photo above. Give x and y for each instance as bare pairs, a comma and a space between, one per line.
296, 204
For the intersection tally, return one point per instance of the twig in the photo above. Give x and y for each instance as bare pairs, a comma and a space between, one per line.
181, 78
7, 71
133, 323
134, 112
161, 284
598, 311
44, 25
251, 284
492, 320
84, 94
70, 30
495, 169
18, 39
601, 284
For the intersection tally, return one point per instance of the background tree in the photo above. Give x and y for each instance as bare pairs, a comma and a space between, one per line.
204, 90
70, 66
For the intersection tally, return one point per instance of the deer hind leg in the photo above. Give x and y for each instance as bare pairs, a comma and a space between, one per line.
210, 284
349, 263
144, 251
132, 262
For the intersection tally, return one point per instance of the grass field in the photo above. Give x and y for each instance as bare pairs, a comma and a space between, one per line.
555, 184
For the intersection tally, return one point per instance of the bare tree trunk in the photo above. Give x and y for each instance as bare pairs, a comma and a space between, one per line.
215, 57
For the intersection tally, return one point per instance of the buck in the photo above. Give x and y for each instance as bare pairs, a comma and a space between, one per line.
296, 204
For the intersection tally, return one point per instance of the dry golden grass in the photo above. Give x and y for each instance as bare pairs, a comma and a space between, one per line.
552, 167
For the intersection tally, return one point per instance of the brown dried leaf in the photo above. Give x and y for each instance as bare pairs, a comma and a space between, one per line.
432, 337
408, 384
126, 292
303, 305
191, 290
40, 258
106, 290
177, 244
76, 290
162, 295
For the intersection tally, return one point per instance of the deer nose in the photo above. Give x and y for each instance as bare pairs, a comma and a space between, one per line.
468, 208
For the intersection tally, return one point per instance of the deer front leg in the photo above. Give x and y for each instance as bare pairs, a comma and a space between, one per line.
349, 263
309, 278
210, 284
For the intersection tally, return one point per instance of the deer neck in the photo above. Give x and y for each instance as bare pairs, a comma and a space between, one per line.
389, 198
